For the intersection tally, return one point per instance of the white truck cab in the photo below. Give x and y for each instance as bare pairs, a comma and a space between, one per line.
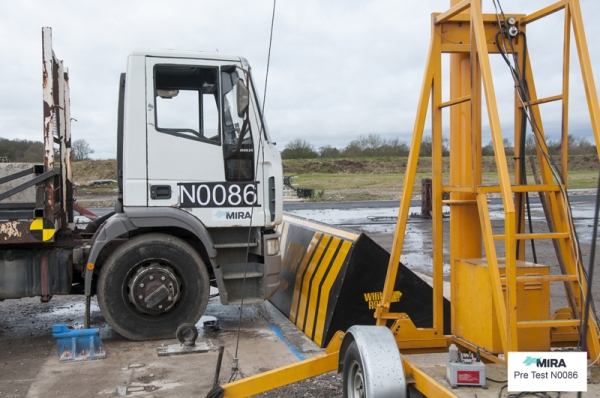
187, 144
200, 182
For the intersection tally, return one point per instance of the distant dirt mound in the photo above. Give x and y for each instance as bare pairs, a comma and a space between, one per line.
334, 166
86, 170
389, 165
325, 166
349, 166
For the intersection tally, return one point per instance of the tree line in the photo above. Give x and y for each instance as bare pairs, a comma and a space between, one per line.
373, 145
25, 151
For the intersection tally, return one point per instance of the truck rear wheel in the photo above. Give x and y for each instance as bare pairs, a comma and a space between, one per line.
152, 284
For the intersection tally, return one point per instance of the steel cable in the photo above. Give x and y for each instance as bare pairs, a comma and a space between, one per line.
261, 132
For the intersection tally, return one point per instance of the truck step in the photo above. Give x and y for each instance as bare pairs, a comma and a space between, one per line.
249, 300
240, 275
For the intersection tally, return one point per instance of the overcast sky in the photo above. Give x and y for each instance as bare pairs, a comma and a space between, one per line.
338, 68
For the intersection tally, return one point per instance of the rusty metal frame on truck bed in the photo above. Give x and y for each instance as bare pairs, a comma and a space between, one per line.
57, 130
53, 206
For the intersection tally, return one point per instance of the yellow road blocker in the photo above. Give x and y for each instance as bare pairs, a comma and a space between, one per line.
332, 279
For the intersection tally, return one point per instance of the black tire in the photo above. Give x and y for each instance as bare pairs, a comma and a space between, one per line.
354, 375
159, 250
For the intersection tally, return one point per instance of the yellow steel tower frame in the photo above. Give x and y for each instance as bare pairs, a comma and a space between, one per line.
468, 35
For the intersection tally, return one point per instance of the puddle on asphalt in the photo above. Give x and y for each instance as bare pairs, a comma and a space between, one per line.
208, 327
364, 220
357, 219
583, 211
417, 241
73, 309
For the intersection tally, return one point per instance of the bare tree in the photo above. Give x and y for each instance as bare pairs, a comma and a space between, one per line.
81, 150
488, 150
328, 151
299, 149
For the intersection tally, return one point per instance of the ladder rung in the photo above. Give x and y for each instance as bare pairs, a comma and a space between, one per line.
458, 188
455, 101
542, 100
390, 315
535, 188
555, 323
547, 235
543, 278
519, 188
459, 202
488, 189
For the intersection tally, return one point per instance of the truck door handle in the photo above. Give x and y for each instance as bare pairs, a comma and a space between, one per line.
160, 192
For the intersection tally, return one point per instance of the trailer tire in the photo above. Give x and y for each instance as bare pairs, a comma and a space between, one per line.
354, 374
178, 295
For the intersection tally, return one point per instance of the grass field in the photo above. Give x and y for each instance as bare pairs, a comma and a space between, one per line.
577, 180
357, 178
383, 178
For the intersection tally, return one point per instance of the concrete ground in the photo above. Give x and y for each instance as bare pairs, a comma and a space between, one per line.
29, 365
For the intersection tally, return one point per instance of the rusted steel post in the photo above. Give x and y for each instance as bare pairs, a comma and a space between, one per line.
61, 130
426, 197
47, 84
68, 153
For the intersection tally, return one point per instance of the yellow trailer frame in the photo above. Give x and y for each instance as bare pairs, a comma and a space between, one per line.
467, 34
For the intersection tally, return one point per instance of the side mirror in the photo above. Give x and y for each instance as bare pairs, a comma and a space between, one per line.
243, 98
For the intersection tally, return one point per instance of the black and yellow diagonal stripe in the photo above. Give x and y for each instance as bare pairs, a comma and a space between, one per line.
42, 229
310, 273
332, 279
315, 283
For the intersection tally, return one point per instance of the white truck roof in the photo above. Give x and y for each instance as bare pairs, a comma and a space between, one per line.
186, 54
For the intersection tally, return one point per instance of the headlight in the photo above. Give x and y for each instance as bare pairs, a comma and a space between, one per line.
272, 246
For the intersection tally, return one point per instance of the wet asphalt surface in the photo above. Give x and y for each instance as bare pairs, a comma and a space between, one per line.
27, 347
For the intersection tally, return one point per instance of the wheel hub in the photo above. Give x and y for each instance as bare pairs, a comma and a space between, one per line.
355, 379
154, 289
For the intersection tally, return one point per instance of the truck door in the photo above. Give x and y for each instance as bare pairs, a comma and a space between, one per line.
201, 151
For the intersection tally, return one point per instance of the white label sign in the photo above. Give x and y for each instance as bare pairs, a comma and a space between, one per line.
547, 371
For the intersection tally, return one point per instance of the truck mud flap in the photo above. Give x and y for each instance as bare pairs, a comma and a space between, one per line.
332, 279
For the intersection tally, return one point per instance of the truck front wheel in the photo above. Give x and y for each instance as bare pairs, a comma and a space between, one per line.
152, 284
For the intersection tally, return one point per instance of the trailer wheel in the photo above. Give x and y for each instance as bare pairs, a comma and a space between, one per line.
354, 376
152, 284
372, 364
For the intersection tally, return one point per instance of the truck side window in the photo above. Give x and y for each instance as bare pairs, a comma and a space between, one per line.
186, 102
238, 146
